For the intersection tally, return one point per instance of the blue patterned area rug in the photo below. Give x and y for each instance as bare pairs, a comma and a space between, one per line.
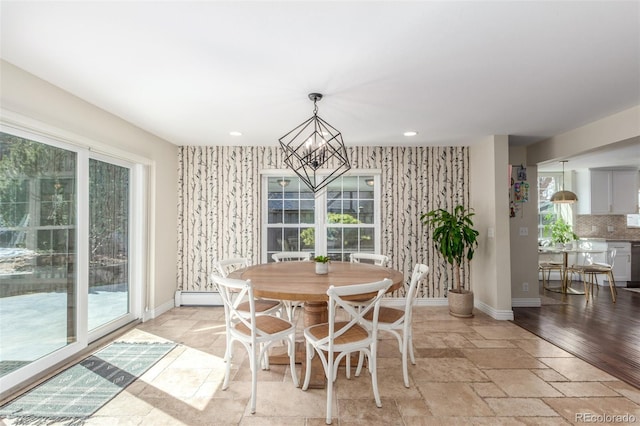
76, 393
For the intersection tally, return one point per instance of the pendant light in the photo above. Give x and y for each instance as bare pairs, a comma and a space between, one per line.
312, 145
562, 196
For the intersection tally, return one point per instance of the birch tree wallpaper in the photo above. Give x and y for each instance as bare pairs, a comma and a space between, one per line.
220, 205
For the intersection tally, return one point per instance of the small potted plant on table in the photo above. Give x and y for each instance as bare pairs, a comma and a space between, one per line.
322, 264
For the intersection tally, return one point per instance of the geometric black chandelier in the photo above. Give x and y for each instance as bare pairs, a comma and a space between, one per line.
312, 145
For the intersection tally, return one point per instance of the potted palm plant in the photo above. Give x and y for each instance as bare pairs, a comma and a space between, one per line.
456, 240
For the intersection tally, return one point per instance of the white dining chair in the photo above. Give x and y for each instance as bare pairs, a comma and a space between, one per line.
227, 266
335, 340
291, 256
590, 270
262, 306
398, 321
376, 259
256, 333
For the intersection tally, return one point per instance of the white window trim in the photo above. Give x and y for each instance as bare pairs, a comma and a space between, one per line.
319, 206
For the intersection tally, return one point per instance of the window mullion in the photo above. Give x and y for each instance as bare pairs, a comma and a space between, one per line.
321, 223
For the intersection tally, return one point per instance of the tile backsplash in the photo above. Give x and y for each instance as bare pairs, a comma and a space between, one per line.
598, 227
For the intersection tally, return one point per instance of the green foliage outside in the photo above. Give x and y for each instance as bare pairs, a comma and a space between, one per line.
308, 236
24, 161
36, 174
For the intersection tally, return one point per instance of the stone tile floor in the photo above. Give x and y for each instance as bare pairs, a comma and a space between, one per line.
469, 371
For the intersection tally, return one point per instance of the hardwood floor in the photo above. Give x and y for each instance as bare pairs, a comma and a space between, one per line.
602, 333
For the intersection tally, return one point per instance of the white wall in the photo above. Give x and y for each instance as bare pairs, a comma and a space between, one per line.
490, 267
524, 249
26, 95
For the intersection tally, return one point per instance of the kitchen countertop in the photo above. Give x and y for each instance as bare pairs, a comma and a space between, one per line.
612, 239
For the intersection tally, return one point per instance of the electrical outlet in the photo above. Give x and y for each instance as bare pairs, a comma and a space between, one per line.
524, 231
525, 286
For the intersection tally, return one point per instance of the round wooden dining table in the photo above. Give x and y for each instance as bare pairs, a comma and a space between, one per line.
298, 281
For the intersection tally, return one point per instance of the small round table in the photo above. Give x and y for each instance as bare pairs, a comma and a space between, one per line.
565, 289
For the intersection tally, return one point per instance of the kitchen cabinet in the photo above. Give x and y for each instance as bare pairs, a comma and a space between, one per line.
603, 192
621, 263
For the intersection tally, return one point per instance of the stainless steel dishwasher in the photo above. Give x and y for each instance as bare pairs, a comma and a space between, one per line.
635, 265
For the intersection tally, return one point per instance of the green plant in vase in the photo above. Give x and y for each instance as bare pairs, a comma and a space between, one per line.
560, 232
322, 264
455, 238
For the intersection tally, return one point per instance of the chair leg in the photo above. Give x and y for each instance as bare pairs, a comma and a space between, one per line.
292, 359
264, 360
586, 287
360, 363
373, 369
405, 368
253, 365
227, 359
226, 351
329, 374
410, 344
347, 363
612, 286
307, 376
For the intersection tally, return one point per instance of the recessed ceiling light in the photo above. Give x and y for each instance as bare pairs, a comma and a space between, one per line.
410, 133
234, 133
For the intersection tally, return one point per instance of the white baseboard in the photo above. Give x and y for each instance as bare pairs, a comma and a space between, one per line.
501, 315
526, 302
159, 310
506, 315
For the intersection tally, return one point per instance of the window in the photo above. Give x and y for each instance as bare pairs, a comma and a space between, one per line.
350, 217
290, 216
346, 214
548, 212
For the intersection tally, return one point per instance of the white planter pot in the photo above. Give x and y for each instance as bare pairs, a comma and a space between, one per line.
460, 304
322, 268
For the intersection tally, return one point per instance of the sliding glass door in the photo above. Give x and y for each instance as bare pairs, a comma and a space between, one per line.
66, 254
108, 243
38, 256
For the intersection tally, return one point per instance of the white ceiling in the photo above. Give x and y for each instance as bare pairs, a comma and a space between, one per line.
191, 72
